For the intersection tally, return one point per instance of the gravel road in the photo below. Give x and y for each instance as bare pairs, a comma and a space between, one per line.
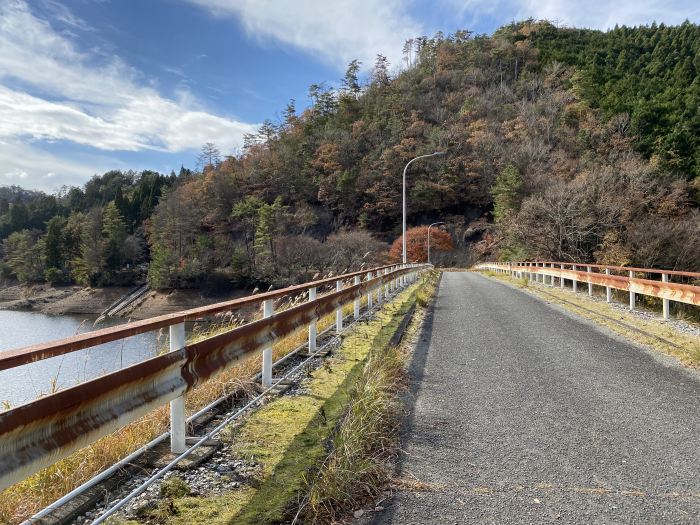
524, 413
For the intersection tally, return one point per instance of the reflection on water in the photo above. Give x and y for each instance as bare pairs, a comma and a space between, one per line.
25, 383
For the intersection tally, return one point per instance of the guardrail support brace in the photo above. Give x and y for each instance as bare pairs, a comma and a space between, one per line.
178, 425
268, 310
608, 290
339, 310
590, 285
312, 324
664, 278
574, 282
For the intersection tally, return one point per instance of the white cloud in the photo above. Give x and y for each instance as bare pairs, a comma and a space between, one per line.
23, 163
596, 14
50, 90
335, 31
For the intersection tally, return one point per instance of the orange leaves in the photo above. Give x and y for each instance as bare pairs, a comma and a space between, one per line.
327, 159
417, 243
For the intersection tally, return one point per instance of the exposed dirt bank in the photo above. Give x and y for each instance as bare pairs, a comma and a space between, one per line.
64, 300
158, 303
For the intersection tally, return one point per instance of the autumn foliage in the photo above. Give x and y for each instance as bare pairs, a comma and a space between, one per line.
417, 244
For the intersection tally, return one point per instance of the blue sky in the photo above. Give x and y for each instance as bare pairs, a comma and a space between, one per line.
92, 85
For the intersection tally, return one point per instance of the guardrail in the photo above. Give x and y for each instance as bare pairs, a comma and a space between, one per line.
40, 433
605, 276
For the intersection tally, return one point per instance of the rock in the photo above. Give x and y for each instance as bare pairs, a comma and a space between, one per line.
358, 513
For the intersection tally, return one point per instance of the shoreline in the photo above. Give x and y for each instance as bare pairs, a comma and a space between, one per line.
77, 300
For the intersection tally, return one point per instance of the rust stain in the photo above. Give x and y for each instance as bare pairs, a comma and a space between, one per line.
37, 434
682, 293
29, 354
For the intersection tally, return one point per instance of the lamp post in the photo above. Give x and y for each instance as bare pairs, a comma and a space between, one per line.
403, 229
433, 224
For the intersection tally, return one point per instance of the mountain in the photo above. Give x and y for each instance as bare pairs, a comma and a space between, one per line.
561, 143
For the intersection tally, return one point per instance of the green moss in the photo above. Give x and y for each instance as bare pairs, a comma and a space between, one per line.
288, 437
174, 487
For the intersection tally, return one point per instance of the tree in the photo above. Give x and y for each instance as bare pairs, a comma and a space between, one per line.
209, 157
505, 193
54, 243
290, 114
173, 232
350, 82
380, 73
114, 231
417, 244
23, 254
87, 268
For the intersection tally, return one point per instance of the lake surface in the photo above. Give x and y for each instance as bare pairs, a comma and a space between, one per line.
26, 383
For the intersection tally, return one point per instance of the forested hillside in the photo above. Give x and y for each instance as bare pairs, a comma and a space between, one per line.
561, 143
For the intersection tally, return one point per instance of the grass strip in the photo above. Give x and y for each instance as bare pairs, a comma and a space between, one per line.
289, 437
364, 448
24, 499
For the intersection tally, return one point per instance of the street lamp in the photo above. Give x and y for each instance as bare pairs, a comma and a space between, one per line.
433, 224
403, 229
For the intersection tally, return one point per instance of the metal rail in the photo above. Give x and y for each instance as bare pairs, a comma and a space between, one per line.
29, 354
40, 433
663, 289
140, 489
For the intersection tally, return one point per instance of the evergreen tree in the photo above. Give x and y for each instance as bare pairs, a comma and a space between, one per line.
351, 84
114, 231
505, 192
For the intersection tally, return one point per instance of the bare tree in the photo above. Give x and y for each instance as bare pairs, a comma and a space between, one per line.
209, 157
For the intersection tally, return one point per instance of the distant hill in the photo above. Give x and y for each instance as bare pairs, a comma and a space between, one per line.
561, 143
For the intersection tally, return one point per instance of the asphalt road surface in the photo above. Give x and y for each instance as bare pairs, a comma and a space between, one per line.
524, 413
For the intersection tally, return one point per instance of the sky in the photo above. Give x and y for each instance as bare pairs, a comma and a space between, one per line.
92, 85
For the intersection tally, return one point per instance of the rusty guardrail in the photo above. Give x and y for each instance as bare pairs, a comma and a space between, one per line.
631, 283
39, 433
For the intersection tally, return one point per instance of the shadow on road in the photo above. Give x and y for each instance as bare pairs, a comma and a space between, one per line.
416, 371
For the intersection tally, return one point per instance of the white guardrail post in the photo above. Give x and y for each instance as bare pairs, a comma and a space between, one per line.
590, 285
369, 294
268, 311
177, 406
551, 277
632, 296
561, 279
574, 282
312, 325
664, 278
339, 310
356, 312
608, 290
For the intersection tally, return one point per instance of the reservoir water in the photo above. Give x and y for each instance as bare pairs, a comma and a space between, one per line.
26, 383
